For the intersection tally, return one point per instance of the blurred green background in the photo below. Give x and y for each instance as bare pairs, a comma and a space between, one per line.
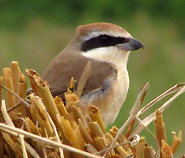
34, 32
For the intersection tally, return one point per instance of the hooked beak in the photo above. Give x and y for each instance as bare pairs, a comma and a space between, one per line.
132, 44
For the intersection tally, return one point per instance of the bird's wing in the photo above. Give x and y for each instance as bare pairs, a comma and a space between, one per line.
59, 73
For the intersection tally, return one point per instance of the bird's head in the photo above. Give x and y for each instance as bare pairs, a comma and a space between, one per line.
105, 42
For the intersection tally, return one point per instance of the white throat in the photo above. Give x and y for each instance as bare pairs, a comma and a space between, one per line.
111, 55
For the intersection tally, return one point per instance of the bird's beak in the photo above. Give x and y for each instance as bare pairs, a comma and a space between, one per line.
132, 44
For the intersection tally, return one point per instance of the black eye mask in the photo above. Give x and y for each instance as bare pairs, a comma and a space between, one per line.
102, 41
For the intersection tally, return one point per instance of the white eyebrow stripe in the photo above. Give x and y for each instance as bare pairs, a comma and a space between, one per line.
96, 33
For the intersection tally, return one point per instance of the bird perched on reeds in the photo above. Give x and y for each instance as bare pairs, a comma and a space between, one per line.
107, 46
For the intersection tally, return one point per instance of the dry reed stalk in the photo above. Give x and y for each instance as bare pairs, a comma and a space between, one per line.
71, 87
160, 128
31, 127
116, 156
10, 123
122, 139
85, 75
77, 112
120, 149
44, 140
148, 152
95, 129
61, 107
31, 73
130, 128
100, 142
113, 131
140, 150
112, 152
74, 128
71, 98
73, 136
70, 117
178, 89
13, 145
42, 89
95, 115
68, 130
79, 143
78, 134
38, 145
176, 141
15, 70
11, 101
41, 115
126, 145
89, 148
166, 150
33, 114
61, 152
12, 141
23, 94
85, 133
22, 86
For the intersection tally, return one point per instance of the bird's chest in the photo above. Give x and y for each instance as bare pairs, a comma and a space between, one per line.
119, 92
120, 87
111, 99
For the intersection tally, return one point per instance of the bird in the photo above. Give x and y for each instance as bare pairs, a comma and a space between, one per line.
107, 46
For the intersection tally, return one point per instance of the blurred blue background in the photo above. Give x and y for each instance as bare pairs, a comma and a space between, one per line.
34, 32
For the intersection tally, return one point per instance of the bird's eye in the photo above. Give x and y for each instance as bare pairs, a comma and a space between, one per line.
103, 38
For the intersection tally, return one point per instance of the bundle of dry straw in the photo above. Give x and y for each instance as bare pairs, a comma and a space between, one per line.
39, 125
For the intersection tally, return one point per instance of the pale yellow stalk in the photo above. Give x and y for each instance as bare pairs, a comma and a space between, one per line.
176, 141
160, 128
95, 115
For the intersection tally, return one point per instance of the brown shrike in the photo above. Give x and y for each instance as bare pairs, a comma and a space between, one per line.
107, 46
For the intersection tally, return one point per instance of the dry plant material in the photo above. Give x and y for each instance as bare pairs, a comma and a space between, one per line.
140, 150
71, 98
85, 75
119, 149
31, 127
23, 94
12, 141
160, 128
41, 115
15, 70
122, 139
148, 152
166, 150
42, 89
85, 133
73, 136
11, 101
143, 150
15, 81
95, 115
51, 125
77, 113
176, 141
130, 128
61, 107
